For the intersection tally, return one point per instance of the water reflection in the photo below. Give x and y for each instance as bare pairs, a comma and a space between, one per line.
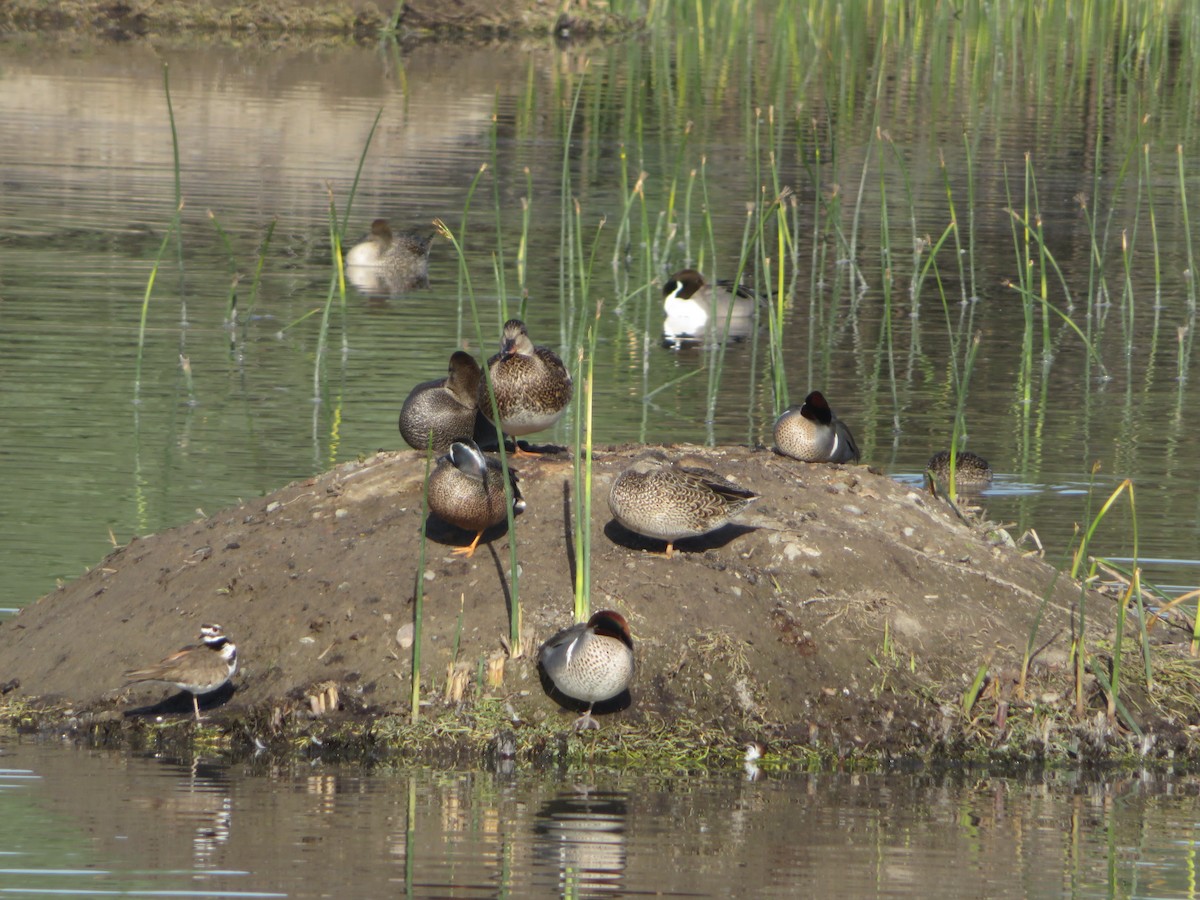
77, 820
580, 837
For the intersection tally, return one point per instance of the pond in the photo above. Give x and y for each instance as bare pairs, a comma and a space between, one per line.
152, 373
95, 823
876, 135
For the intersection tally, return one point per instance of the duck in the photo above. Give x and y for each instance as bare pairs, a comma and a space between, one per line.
694, 307
970, 469
198, 668
405, 256
670, 502
532, 386
467, 490
590, 662
689, 298
447, 407
811, 432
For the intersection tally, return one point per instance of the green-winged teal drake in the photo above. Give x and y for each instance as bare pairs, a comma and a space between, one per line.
531, 383
811, 432
447, 407
670, 502
467, 490
198, 668
590, 662
405, 255
970, 469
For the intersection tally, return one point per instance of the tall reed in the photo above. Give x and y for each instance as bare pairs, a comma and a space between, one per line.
514, 642
419, 589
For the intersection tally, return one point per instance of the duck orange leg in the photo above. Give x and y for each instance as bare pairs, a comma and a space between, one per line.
468, 551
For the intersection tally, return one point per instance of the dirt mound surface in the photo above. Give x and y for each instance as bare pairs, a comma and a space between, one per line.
843, 610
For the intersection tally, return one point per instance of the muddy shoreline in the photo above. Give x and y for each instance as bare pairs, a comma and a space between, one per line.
846, 617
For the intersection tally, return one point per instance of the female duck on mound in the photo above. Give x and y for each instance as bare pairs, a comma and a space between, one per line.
590, 662
467, 489
811, 432
970, 469
198, 669
446, 407
531, 383
672, 502
693, 306
405, 255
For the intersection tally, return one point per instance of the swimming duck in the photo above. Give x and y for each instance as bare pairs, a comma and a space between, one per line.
198, 668
671, 502
590, 662
811, 432
531, 383
467, 489
446, 406
692, 305
970, 469
405, 255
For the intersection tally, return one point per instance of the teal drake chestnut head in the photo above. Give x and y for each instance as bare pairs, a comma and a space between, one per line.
532, 386
590, 662
446, 407
467, 490
670, 502
811, 432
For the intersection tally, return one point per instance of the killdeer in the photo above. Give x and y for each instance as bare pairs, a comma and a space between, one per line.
590, 662
531, 384
671, 502
197, 669
811, 432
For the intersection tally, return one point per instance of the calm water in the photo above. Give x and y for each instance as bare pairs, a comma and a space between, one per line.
87, 823
265, 135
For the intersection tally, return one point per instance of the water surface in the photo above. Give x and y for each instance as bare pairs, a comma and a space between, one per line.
224, 411
95, 823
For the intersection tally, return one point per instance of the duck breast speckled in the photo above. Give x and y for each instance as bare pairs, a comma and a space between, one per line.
811, 432
531, 383
590, 662
670, 502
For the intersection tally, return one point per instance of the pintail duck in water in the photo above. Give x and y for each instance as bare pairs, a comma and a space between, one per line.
590, 662
671, 502
531, 384
695, 310
467, 490
446, 407
811, 432
198, 668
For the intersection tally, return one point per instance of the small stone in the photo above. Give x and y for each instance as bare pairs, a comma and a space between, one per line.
273, 505
430, 575
404, 635
341, 513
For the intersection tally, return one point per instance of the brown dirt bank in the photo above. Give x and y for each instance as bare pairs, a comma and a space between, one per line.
845, 614
124, 19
